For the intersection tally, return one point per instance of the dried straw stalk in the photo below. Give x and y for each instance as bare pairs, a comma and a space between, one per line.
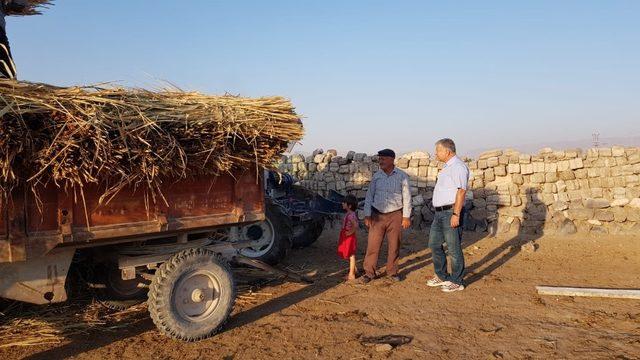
119, 137
33, 7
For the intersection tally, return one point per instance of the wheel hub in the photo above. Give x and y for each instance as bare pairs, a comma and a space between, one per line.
197, 295
263, 233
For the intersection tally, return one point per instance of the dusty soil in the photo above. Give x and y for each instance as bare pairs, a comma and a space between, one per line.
499, 315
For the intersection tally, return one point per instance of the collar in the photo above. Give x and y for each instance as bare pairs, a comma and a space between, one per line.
394, 171
452, 160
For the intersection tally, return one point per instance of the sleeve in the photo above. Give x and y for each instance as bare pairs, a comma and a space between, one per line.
406, 197
368, 200
461, 177
351, 218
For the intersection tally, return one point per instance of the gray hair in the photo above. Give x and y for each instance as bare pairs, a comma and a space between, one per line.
447, 144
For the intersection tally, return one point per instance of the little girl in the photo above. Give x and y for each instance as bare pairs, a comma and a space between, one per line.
347, 242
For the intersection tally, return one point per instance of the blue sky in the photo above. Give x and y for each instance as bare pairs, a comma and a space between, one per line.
366, 74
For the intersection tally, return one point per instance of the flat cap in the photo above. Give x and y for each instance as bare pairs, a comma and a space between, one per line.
387, 152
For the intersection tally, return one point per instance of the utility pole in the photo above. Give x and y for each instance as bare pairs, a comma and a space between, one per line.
596, 140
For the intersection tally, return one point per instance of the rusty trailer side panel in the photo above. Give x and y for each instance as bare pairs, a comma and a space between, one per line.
30, 227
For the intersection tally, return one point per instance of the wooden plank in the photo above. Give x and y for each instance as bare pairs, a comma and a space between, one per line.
589, 292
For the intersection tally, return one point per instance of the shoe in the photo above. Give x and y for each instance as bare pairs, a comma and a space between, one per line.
364, 279
435, 281
452, 287
395, 278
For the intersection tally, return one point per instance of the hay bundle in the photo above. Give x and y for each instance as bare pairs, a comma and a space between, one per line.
25, 325
119, 137
33, 7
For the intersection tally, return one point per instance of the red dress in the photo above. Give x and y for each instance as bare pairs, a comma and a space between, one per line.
347, 243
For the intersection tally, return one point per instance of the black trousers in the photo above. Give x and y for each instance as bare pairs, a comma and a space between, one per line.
7, 67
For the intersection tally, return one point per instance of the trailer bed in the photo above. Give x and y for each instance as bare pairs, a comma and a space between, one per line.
31, 227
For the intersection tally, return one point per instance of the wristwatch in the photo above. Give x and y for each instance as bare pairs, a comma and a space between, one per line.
458, 215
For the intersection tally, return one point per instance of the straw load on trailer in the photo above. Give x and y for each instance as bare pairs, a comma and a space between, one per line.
119, 137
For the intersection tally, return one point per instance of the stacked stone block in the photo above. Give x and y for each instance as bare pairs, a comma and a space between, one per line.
596, 191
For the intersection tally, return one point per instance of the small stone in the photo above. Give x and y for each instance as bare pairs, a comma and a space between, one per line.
567, 175
560, 206
479, 214
529, 247
563, 165
420, 155
598, 230
513, 168
605, 215
580, 214
538, 167
576, 163
524, 159
567, 227
619, 202
517, 179
490, 153
596, 203
417, 200
619, 214
551, 177
351, 155
383, 347
537, 178
427, 215
605, 151
617, 151
635, 203
594, 222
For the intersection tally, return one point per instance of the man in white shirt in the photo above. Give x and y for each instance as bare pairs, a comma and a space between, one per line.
448, 201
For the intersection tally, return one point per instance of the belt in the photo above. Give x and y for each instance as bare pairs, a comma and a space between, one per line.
378, 212
443, 208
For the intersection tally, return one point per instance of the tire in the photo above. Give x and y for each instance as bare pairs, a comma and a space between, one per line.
120, 305
276, 227
120, 294
307, 233
176, 298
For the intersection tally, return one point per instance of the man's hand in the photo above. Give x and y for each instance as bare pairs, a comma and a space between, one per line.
455, 221
367, 221
406, 222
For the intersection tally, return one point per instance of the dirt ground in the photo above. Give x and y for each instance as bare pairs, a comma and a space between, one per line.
499, 315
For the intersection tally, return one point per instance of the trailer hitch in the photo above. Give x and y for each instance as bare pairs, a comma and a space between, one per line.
239, 259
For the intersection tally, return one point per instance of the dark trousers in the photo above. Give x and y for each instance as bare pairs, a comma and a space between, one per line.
441, 232
389, 224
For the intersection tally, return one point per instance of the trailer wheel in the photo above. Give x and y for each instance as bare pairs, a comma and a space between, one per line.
274, 235
191, 295
307, 233
119, 294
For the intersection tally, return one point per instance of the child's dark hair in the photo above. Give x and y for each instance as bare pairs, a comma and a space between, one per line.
351, 202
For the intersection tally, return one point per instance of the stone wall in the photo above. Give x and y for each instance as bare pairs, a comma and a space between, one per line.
596, 191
